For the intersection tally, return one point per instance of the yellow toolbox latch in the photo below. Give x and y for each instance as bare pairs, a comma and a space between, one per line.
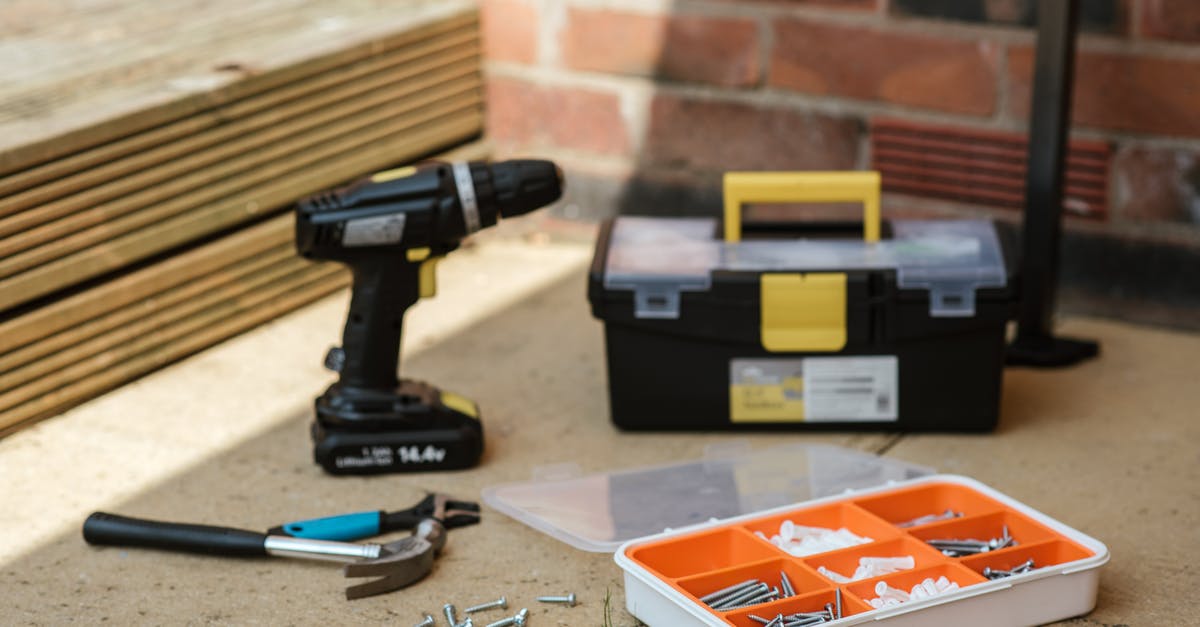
803, 312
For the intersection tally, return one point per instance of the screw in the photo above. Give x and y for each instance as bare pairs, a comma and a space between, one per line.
501, 603
568, 600
786, 584
448, 609
738, 599
513, 621
713, 597
466, 623
428, 622
806, 621
754, 600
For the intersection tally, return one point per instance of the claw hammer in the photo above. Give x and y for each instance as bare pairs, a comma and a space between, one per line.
396, 564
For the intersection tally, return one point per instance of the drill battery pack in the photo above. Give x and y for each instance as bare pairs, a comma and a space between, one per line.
899, 328
418, 428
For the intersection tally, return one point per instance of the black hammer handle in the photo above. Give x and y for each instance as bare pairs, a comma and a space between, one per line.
110, 529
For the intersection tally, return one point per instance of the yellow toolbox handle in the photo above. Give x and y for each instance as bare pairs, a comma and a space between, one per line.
781, 187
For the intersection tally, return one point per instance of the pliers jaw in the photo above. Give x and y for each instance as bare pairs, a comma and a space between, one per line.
450, 512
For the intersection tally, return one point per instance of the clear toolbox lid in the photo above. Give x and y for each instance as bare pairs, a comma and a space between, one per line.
600, 512
658, 258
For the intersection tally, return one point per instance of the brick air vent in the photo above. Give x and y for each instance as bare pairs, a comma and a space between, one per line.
981, 167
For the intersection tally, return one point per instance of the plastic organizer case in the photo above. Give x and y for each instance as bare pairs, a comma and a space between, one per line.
667, 574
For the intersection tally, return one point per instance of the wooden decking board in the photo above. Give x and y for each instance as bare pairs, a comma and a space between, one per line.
33, 376
62, 348
65, 322
74, 310
84, 168
195, 190
182, 167
156, 284
181, 137
391, 143
155, 338
35, 141
137, 34
112, 369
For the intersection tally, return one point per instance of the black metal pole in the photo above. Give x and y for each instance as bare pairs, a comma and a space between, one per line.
1050, 121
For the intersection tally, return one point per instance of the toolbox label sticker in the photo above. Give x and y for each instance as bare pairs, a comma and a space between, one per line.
814, 389
376, 231
766, 390
851, 388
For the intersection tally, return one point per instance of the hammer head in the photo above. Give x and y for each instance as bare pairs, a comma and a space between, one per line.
400, 563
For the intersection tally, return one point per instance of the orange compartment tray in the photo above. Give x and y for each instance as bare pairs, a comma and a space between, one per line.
667, 574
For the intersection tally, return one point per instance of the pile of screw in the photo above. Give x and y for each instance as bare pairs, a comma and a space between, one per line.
924, 520
801, 541
804, 619
749, 592
889, 596
517, 620
959, 548
871, 567
995, 573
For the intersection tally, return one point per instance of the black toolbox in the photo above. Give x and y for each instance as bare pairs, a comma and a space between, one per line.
902, 329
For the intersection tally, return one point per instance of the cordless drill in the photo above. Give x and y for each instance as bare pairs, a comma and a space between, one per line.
390, 229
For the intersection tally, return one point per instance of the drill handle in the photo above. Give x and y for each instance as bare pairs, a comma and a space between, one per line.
384, 288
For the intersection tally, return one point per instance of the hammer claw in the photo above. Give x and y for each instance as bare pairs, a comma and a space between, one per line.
394, 572
401, 563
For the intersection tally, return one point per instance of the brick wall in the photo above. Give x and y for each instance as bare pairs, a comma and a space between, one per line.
648, 101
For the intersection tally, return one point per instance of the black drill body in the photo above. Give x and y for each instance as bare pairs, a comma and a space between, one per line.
386, 229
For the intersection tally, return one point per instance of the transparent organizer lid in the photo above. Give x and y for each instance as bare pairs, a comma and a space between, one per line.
599, 512
658, 258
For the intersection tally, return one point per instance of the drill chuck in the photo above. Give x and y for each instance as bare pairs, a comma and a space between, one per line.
524, 185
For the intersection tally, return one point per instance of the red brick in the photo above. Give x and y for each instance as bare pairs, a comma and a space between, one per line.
716, 136
839, 4
1157, 185
509, 30
870, 5
722, 51
522, 114
902, 68
1177, 20
1121, 91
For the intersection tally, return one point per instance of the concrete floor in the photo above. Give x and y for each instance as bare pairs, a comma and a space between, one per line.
1109, 447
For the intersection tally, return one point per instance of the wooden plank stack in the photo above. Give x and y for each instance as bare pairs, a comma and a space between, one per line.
138, 227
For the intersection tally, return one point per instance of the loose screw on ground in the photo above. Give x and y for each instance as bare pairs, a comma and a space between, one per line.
428, 622
501, 603
568, 600
513, 621
448, 610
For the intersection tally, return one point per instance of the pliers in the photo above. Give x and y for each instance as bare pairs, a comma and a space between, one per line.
345, 527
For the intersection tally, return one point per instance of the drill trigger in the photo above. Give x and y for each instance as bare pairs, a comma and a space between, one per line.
427, 277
